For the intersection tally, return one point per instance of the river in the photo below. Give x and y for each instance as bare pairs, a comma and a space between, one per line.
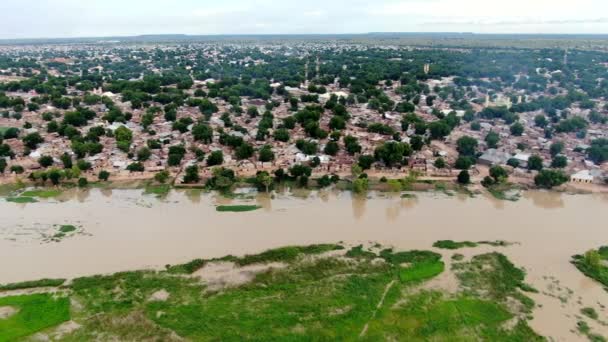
127, 230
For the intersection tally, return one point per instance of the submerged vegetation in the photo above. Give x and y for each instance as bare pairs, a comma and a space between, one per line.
237, 208
359, 293
449, 244
32, 284
593, 264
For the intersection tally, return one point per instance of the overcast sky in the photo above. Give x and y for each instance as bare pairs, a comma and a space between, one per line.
94, 18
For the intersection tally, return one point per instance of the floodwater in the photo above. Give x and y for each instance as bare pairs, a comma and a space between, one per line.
126, 230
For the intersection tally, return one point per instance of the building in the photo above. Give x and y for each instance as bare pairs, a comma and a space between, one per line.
583, 176
494, 157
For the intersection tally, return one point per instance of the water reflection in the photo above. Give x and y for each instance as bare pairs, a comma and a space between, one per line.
194, 195
106, 192
545, 199
359, 203
264, 200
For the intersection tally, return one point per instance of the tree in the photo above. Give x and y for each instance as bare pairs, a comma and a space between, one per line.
331, 148
550, 178
517, 129
263, 180
360, 185
11, 133
464, 177
45, 161
281, 134
253, 112
512, 162
82, 182
337, 123
559, 162
66, 159
176, 155
487, 181
440, 163
464, 163
439, 129
136, 167
55, 176
143, 154
162, 176
32, 140
556, 148
499, 174
83, 165
299, 170
307, 147
215, 158
598, 152
123, 136
593, 259
245, 151
266, 154
535, 163
191, 175
324, 181
392, 152
352, 145
202, 132
365, 161
467, 146
417, 142
3, 165
540, 121
103, 175
492, 139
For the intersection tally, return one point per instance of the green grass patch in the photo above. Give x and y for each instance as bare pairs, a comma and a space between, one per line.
32, 284
34, 313
430, 316
21, 200
67, 228
237, 208
495, 277
421, 271
449, 244
42, 193
590, 312
159, 190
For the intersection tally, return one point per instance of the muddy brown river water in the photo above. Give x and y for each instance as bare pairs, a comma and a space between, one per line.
126, 230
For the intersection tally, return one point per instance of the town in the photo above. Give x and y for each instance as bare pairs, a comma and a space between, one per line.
208, 112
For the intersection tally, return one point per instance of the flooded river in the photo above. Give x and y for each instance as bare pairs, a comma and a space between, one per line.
126, 230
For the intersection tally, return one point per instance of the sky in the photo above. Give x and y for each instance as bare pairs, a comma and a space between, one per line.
102, 18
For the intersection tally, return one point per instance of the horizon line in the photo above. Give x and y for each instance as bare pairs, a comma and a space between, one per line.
301, 34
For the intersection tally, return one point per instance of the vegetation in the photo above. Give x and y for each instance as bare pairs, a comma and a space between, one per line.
237, 208
32, 284
314, 295
34, 313
42, 193
592, 264
449, 244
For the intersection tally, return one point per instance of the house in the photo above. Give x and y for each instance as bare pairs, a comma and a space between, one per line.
494, 157
583, 176
522, 158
